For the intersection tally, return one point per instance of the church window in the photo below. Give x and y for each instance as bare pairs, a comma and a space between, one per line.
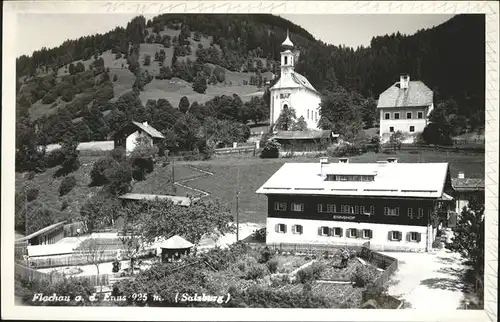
286, 60
307, 114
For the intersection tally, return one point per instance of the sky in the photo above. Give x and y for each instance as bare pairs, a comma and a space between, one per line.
337, 29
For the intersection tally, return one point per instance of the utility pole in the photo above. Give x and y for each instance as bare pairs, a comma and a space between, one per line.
237, 205
25, 211
173, 175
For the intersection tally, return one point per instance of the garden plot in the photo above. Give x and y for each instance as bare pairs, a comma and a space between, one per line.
333, 271
287, 264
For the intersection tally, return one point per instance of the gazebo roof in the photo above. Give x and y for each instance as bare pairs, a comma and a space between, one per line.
175, 242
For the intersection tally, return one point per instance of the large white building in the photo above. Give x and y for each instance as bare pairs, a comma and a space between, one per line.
293, 91
389, 204
404, 107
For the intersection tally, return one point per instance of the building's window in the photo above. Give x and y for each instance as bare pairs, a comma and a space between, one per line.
412, 128
324, 231
297, 229
414, 237
307, 114
395, 235
410, 212
372, 210
356, 209
387, 116
345, 208
409, 115
281, 228
297, 207
330, 208
280, 206
367, 233
316, 114
286, 60
391, 129
352, 233
396, 116
420, 115
361, 209
420, 213
336, 232
320, 207
391, 211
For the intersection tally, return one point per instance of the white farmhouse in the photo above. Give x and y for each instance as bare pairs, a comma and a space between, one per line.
128, 136
405, 107
293, 91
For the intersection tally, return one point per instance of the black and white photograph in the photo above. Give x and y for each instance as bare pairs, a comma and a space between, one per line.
269, 159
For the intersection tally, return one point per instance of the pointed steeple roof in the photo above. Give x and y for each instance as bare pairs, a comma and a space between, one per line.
287, 42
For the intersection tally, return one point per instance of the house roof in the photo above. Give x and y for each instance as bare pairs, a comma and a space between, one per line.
52, 249
416, 180
417, 94
183, 201
303, 135
149, 130
293, 80
174, 242
467, 184
42, 231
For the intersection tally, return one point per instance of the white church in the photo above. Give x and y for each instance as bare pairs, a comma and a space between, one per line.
293, 91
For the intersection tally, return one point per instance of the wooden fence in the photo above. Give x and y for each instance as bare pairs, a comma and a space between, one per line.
387, 263
317, 249
52, 278
474, 148
237, 150
74, 259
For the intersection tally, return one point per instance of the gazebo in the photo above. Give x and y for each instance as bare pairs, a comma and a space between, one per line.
173, 248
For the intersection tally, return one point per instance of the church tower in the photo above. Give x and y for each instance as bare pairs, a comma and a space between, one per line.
287, 56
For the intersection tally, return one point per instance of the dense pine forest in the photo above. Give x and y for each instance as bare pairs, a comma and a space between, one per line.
203, 50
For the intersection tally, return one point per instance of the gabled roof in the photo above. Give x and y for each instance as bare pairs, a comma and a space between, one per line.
174, 242
467, 184
293, 80
149, 130
52, 249
303, 135
182, 201
415, 180
416, 95
45, 230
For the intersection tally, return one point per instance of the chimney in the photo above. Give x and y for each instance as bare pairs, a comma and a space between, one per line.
404, 81
145, 123
461, 175
343, 160
392, 160
322, 162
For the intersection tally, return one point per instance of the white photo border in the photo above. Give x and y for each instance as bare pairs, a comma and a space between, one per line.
11, 8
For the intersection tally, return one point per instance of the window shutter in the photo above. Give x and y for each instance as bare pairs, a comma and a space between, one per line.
320, 231
389, 235
370, 233
359, 233
330, 231
284, 229
277, 228
294, 228
408, 237
400, 235
419, 237
341, 232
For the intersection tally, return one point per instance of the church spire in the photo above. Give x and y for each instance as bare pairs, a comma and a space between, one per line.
287, 42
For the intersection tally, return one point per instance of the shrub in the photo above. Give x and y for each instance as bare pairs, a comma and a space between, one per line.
31, 194
363, 276
272, 265
54, 158
271, 150
344, 150
97, 173
49, 98
255, 272
118, 154
67, 184
265, 255
64, 204
311, 273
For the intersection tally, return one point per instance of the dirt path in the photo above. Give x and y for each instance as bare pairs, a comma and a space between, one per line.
431, 281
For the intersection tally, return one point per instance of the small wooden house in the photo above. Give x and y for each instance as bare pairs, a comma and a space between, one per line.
309, 140
128, 136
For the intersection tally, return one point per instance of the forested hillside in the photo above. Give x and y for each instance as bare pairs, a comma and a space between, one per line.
89, 87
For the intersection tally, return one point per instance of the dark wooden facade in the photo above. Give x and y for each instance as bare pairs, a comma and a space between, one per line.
311, 202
